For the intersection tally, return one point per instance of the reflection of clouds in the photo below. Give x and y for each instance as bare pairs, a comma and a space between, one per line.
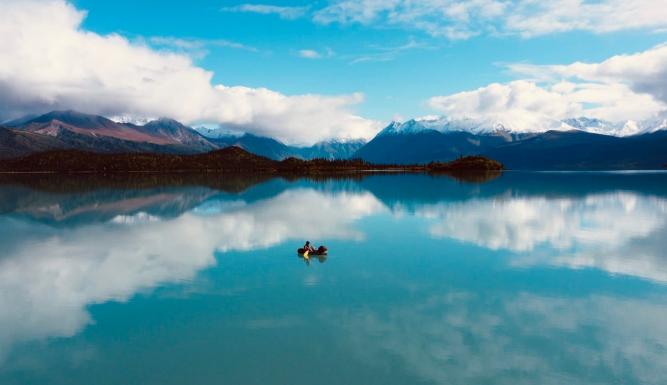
465, 338
294, 214
48, 276
607, 231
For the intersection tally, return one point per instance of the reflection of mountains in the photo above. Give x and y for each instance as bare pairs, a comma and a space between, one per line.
613, 222
85, 199
411, 190
49, 274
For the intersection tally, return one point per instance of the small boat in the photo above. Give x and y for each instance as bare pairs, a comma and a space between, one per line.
320, 251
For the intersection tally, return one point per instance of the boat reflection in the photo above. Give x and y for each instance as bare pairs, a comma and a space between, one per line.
321, 258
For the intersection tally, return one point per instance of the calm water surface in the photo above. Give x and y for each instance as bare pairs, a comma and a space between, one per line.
527, 278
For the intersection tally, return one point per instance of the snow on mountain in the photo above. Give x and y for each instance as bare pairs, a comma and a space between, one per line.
488, 126
599, 126
653, 125
474, 126
131, 119
218, 132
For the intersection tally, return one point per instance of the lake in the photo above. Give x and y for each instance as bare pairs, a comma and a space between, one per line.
519, 278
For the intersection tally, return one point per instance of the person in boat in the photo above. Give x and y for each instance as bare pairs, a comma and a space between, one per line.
308, 247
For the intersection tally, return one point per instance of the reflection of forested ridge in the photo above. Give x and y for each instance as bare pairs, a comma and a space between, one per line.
99, 205
89, 198
73, 183
84, 198
415, 189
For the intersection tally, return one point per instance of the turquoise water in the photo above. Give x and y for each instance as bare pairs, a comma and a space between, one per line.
525, 278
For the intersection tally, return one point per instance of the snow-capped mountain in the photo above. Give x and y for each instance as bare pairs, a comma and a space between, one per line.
603, 127
445, 124
570, 144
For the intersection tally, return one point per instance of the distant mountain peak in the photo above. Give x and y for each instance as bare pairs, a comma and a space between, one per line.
166, 123
68, 115
73, 118
339, 141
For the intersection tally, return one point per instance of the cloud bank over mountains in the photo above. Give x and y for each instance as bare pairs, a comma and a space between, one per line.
623, 87
51, 62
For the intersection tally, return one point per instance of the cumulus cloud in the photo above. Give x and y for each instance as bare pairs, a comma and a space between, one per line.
527, 106
266, 9
643, 72
521, 105
624, 87
52, 63
456, 19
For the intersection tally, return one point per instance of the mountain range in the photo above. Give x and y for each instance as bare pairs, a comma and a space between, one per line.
65, 130
575, 145
571, 144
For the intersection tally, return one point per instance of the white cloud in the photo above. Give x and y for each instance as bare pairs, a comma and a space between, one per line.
52, 63
265, 9
624, 87
522, 105
452, 19
530, 18
527, 106
456, 19
643, 72
310, 54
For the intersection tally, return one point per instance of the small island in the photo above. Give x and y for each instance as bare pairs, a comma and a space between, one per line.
227, 160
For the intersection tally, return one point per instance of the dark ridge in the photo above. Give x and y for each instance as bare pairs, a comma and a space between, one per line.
75, 161
466, 163
229, 159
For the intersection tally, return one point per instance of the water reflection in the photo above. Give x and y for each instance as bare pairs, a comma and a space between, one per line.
619, 232
52, 268
69, 243
308, 259
515, 338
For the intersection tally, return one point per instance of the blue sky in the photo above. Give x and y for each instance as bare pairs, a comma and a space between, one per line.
303, 71
397, 82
